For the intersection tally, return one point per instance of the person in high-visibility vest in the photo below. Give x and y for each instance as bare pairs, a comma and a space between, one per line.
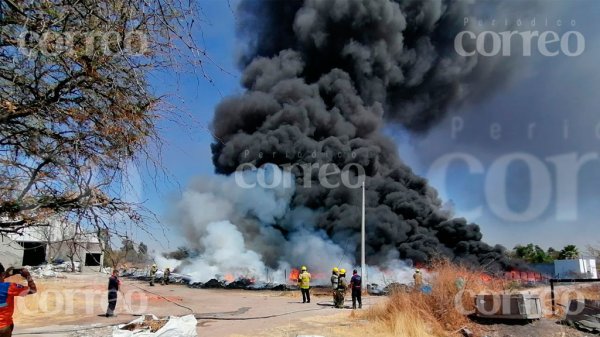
304, 284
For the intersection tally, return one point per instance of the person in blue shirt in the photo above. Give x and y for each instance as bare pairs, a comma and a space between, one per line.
356, 286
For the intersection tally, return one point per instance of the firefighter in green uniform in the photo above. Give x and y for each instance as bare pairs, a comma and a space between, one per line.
341, 290
153, 270
334, 283
166, 275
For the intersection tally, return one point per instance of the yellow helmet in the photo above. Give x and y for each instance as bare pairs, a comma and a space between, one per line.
342, 271
335, 269
417, 270
303, 268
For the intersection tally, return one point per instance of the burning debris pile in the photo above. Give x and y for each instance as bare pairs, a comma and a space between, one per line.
321, 81
240, 283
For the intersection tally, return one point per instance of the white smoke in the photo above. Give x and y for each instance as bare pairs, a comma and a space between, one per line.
215, 199
225, 253
239, 232
163, 262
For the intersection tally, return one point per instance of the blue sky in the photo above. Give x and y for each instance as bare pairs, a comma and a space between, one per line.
186, 150
547, 91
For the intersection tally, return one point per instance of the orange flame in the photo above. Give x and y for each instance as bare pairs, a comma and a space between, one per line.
294, 273
229, 278
485, 278
525, 276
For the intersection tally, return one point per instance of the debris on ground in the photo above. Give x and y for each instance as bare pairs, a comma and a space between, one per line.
213, 283
144, 275
466, 332
584, 315
152, 326
148, 323
280, 287
377, 290
48, 271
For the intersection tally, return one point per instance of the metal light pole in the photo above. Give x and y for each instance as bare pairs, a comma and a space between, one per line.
362, 232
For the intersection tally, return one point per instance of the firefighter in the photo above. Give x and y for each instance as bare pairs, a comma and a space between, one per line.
166, 275
418, 277
355, 285
153, 270
341, 290
334, 283
304, 284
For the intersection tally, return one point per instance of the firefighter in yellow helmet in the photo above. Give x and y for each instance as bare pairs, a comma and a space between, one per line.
335, 274
153, 271
341, 289
304, 284
418, 277
166, 275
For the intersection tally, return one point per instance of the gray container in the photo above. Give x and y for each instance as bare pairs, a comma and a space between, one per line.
508, 306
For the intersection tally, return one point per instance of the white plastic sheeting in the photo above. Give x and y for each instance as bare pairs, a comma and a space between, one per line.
176, 327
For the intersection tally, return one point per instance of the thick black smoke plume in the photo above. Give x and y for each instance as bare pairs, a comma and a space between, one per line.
321, 78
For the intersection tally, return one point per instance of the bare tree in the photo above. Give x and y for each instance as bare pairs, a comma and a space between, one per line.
55, 238
73, 247
76, 107
114, 257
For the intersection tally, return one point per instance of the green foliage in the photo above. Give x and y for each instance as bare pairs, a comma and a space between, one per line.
534, 254
127, 254
570, 252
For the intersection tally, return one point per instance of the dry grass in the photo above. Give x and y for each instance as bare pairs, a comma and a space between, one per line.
591, 292
414, 314
564, 293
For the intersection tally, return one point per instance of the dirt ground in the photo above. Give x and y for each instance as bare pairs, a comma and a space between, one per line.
73, 307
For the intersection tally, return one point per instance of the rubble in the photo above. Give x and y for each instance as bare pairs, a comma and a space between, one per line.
376, 290
213, 283
195, 285
280, 287
466, 332
48, 271
584, 315
240, 284
149, 323
144, 275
